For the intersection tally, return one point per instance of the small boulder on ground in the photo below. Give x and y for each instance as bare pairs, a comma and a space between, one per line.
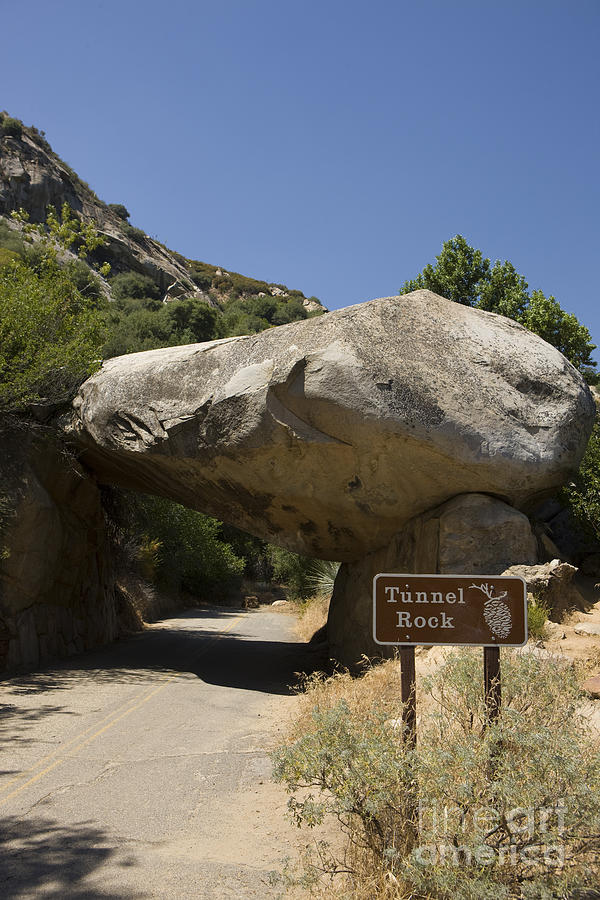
592, 685
551, 585
588, 628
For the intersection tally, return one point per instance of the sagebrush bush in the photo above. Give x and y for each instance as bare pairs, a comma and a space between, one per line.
507, 810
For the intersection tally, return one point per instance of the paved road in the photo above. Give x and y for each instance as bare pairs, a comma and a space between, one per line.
142, 770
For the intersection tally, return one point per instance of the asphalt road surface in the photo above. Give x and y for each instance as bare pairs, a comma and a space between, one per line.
142, 770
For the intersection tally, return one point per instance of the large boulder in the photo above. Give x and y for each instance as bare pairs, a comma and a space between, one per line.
328, 435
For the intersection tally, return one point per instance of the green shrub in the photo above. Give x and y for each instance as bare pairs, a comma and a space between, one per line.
537, 617
133, 284
293, 571
7, 257
10, 239
202, 279
146, 324
254, 552
40, 137
244, 285
221, 283
138, 329
292, 311
193, 316
11, 127
583, 494
510, 810
132, 232
202, 274
51, 333
121, 211
84, 279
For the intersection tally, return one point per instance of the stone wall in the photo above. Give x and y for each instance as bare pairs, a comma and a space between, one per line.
57, 594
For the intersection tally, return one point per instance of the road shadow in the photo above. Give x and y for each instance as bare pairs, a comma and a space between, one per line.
42, 858
16, 722
273, 667
177, 645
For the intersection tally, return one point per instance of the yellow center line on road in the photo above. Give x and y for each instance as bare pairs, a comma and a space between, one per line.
92, 737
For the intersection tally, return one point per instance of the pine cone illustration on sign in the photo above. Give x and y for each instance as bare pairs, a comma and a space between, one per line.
495, 612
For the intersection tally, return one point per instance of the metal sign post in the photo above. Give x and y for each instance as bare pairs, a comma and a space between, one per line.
408, 687
488, 611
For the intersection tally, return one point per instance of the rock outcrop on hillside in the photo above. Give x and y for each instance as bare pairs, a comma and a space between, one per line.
328, 435
32, 177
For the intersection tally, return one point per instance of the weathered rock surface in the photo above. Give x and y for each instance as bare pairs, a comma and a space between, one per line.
588, 628
592, 685
473, 534
328, 435
57, 590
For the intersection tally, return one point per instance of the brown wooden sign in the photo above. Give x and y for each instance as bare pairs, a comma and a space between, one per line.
467, 610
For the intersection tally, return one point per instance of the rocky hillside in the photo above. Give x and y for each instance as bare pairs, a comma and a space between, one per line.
33, 176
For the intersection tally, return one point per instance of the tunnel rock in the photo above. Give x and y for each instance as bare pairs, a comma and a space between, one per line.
327, 435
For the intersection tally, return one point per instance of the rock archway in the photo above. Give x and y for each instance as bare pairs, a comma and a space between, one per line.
330, 436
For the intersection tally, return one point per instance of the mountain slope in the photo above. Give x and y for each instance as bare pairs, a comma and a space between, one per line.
33, 176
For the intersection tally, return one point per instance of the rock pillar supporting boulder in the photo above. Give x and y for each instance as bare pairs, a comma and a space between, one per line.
473, 533
57, 590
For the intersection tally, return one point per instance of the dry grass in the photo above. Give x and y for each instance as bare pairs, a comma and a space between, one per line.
380, 685
313, 615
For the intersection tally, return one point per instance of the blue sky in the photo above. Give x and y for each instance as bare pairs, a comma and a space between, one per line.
332, 146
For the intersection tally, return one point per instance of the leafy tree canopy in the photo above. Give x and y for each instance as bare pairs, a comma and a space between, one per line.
51, 327
462, 274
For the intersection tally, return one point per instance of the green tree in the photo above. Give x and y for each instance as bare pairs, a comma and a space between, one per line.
545, 317
583, 493
51, 332
462, 274
457, 274
190, 552
503, 291
50, 336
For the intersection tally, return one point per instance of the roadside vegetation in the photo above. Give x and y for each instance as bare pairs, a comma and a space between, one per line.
511, 810
52, 321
